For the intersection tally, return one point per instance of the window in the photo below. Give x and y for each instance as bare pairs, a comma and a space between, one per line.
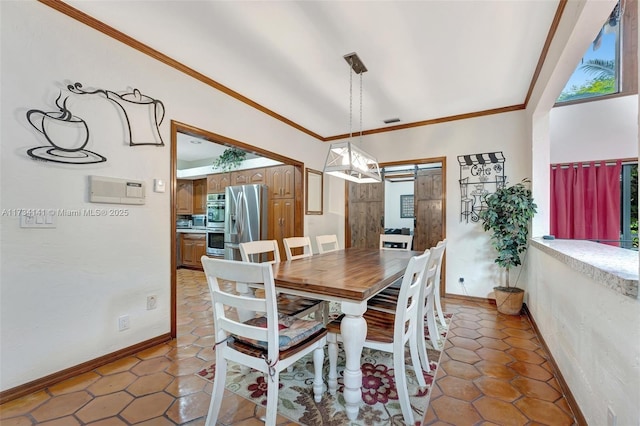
598, 73
629, 208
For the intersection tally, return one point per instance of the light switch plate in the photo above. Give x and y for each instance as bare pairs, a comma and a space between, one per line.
159, 185
47, 220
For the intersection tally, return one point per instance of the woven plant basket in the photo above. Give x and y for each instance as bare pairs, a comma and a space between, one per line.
509, 300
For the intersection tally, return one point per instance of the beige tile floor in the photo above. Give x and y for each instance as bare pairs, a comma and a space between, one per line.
493, 371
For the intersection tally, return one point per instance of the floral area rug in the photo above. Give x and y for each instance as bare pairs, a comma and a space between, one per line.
295, 395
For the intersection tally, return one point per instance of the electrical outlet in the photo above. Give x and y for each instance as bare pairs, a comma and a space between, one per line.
152, 302
123, 323
611, 417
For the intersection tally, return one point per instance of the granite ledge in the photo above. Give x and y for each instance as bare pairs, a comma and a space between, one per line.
614, 267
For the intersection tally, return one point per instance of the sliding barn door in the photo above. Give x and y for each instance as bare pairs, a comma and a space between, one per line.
366, 214
429, 223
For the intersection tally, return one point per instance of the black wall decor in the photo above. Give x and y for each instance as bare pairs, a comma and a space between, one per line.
480, 175
133, 104
407, 206
67, 135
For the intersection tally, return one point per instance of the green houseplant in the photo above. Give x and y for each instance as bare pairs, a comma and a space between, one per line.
507, 216
230, 159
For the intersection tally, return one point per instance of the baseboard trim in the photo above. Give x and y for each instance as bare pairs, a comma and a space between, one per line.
52, 379
573, 404
470, 298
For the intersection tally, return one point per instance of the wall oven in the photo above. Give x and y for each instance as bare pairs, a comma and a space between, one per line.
215, 210
215, 241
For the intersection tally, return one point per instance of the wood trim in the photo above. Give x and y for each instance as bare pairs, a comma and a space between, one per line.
429, 122
218, 138
573, 404
52, 379
298, 199
543, 55
469, 298
135, 44
176, 127
73, 13
173, 264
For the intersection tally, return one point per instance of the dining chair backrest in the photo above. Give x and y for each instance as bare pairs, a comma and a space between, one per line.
327, 243
436, 291
303, 243
217, 272
258, 342
260, 251
437, 253
409, 302
395, 241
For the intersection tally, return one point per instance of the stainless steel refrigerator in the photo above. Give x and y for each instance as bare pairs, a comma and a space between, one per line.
245, 217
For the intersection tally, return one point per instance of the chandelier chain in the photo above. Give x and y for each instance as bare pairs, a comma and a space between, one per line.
350, 99
361, 109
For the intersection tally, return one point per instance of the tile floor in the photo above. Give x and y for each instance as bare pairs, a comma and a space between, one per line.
493, 371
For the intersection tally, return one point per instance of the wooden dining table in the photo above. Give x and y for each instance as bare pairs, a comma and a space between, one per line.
349, 277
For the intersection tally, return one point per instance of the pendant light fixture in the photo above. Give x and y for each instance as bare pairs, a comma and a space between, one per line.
345, 160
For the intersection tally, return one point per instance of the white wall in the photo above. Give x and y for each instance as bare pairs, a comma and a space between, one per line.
592, 333
506, 132
591, 131
63, 289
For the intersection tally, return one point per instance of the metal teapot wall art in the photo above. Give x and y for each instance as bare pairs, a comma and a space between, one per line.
68, 134
137, 106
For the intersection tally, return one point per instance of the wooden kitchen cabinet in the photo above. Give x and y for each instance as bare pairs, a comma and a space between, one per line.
192, 248
218, 182
281, 182
200, 196
184, 196
248, 177
281, 220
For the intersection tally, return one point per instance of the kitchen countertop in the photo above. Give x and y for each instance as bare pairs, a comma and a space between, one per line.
192, 230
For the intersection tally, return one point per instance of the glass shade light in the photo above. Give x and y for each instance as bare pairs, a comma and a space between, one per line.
349, 162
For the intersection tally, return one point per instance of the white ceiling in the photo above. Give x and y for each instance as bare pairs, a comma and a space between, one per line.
426, 59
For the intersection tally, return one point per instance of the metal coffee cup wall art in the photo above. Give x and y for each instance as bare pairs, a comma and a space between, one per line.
66, 134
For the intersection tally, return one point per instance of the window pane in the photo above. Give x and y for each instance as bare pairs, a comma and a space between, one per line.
597, 74
629, 209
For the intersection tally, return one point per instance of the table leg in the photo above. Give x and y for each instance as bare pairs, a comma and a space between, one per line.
354, 331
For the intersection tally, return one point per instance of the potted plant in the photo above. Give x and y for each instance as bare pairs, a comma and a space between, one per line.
230, 159
507, 215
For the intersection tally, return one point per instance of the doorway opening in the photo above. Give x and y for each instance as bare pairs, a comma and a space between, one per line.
409, 200
178, 130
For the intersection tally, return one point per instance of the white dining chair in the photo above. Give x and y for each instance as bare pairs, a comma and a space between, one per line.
402, 322
387, 300
327, 243
266, 251
303, 243
395, 242
436, 290
268, 343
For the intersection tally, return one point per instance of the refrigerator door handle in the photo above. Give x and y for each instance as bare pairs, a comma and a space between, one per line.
240, 219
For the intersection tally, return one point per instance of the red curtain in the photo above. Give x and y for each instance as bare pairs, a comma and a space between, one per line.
585, 201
